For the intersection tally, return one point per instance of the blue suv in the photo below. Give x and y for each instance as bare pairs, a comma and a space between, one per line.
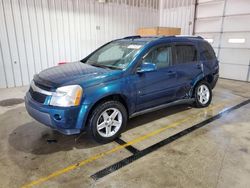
122, 79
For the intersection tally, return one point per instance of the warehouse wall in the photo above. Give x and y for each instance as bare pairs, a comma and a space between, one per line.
177, 13
226, 24
37, 34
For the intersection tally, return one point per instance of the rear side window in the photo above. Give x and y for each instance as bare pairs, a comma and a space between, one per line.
185, 54
207, 51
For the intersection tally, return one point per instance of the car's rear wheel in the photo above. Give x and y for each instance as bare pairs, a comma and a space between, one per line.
107, 121
203, 94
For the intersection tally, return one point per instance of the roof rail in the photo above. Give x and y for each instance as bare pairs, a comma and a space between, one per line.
164, 36
132, 37
189, 36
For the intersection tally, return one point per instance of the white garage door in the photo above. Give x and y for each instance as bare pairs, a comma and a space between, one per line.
226, 24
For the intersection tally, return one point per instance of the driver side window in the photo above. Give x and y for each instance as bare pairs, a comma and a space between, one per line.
161, 57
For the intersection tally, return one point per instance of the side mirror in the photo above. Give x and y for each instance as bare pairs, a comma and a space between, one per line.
146, 67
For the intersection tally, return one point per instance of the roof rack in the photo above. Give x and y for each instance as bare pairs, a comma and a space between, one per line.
132, 37
189, 36
164, 36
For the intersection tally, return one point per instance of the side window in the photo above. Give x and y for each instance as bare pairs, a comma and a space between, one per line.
185, 54
161, 57
207, 51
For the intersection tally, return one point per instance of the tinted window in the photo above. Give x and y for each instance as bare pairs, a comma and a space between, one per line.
186, 53
161, 57
207, 51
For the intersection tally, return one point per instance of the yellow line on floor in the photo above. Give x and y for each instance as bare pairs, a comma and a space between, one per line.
100, 155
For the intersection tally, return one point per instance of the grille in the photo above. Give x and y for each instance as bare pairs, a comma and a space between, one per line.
38, 97
42, 86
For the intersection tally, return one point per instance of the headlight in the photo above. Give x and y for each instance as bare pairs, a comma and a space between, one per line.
67, 96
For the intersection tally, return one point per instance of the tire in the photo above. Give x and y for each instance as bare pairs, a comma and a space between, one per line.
202, 94
107, 121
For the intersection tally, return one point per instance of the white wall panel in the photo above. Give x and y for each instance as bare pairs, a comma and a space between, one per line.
237, 35
207, 1
233, 71
41, 34
177, 14
34, 36
237, 23
235, 7
3, 81
210, 9
232, 56
48, 33
37, 34
5, 51
206, 25
19, 32
27, 38
12, 44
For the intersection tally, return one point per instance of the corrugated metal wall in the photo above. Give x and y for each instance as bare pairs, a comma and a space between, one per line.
37, 34
226, 24
177, 13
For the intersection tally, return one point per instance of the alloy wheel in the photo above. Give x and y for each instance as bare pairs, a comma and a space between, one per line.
109, 122
203, 94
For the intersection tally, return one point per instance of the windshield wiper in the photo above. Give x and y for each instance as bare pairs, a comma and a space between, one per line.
105, 66
97, 65
113, 67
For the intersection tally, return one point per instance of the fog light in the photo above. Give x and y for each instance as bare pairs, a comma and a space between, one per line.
57, 117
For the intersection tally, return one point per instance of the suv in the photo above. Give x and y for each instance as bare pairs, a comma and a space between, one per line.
122, 79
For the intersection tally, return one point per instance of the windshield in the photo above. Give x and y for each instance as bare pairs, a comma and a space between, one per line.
115, 55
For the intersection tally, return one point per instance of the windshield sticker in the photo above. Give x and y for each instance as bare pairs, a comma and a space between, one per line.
134, 46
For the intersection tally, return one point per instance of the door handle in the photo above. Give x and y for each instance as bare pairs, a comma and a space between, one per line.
200, 66
172, 72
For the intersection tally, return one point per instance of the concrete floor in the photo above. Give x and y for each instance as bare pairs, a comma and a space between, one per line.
217, 155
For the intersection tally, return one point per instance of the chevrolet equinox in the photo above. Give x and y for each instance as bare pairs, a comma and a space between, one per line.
122, 79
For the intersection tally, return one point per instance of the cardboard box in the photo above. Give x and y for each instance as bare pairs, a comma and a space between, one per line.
150, 31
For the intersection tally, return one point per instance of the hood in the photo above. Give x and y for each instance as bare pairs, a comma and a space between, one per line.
73, 73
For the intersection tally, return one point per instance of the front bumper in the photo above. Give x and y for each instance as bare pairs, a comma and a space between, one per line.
67, 120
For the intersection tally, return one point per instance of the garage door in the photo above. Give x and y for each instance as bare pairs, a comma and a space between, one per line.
226, 25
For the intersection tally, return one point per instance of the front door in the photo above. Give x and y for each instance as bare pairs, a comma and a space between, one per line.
156, 87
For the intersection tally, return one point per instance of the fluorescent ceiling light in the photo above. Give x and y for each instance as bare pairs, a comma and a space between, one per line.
237, 40
209, 40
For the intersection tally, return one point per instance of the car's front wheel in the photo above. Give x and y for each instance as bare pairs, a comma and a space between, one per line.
203, 94
107, 121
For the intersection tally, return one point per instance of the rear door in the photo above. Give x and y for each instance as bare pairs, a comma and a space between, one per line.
187, 66
208, 58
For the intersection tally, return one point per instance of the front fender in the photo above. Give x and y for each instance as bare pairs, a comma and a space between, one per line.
96, 93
